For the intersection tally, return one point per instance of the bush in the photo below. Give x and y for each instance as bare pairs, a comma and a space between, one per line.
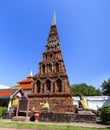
105, 114
2, 111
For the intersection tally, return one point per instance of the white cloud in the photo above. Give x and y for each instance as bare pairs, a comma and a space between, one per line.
3, 86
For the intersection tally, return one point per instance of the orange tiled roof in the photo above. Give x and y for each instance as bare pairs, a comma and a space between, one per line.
27, 80
7, 92
25, 84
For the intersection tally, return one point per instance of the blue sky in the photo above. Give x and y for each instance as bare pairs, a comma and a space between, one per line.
84, 32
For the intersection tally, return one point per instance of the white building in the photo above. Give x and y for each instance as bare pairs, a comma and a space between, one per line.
94, 102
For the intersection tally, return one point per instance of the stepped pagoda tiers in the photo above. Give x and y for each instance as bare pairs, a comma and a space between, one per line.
51, 83
25, 84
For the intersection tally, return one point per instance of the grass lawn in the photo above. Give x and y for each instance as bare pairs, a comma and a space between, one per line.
46, 127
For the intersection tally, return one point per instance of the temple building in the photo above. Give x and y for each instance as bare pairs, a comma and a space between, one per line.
8, 96
51, 83
25, 84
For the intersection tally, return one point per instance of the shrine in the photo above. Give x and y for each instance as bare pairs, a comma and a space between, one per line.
51, 83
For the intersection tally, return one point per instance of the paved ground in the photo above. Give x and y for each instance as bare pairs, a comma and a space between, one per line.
71, 124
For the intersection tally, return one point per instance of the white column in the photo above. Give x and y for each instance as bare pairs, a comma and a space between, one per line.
9, 104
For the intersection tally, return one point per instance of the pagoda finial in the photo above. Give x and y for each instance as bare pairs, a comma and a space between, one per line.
54, 19
31, 73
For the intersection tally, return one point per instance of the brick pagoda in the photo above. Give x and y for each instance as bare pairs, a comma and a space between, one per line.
51, 83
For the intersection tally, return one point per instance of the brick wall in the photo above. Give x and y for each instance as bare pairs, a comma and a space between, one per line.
67, 117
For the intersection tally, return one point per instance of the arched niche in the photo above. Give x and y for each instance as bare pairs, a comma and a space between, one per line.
50, 67
38, 86
57, 67
59, 85
48, 86
43, 68
46, 56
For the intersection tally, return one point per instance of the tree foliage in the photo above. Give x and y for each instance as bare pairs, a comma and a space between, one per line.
105, 114
106, 87
85, 90
2, 111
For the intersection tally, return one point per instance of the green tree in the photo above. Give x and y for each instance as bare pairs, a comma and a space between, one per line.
85, 90
2, 111
105, 114
106, 87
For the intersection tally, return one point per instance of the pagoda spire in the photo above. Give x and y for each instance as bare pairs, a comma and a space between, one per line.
31, 73
53, 42
54, 19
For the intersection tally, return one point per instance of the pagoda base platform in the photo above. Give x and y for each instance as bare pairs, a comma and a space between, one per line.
21, 118
67, 117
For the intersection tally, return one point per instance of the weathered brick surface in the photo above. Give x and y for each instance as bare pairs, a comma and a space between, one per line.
67, 117
8, 115
57, 104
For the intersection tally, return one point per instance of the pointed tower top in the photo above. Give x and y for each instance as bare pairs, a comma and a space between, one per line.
54, 19
31, 73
